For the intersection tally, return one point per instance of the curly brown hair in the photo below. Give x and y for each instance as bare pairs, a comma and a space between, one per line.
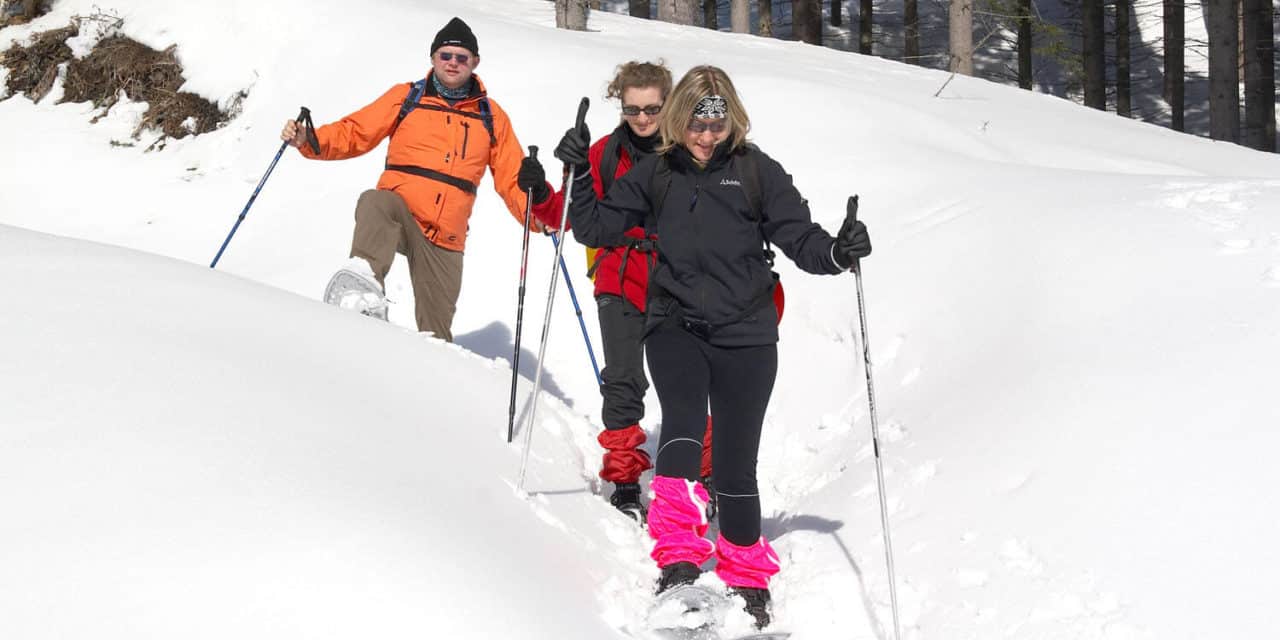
638, 75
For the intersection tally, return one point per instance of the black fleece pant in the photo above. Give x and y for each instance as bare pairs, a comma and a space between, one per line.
687, 373
623, 383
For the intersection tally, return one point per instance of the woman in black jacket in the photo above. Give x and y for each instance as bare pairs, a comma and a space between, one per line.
715, 203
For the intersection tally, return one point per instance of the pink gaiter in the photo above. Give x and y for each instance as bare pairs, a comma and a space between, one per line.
746, 566
678, 522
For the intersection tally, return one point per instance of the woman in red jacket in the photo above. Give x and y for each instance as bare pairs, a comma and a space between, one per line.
621, 275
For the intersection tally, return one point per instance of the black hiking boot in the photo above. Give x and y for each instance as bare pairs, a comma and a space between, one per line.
677, 574
626, 498
757, 604
713, 503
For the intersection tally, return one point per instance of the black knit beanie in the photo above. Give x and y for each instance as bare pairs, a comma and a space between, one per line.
456, 34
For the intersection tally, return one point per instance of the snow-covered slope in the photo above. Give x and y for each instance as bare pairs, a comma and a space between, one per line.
189, 454
1073, 327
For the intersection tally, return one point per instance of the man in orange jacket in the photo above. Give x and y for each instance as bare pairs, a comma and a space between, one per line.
444, 131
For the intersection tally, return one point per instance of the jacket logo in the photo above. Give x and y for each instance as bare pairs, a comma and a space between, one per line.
726, 182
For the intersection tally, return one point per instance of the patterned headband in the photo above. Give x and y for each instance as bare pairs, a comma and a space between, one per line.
711, 108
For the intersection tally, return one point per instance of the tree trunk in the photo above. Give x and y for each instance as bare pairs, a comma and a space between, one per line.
1224, 81
866, 17
639, 8
1175, 62
677, 11
1259, 76
764, 9
911, 32
961, 18
710, 17
1024, 44
836, 18
806, 20
594, 5
1124, 102
571, 14
739, 16
1094, 54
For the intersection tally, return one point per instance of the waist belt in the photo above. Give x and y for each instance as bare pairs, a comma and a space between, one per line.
431, 174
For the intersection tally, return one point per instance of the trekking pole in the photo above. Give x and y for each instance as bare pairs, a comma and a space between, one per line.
546, 318
524, 265
852, 213
578, 310
304, 117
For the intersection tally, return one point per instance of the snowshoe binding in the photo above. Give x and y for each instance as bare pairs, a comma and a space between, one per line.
683, 610
354, 287
626, 498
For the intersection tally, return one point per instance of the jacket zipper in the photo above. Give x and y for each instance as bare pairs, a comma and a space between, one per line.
466, 135
697, 232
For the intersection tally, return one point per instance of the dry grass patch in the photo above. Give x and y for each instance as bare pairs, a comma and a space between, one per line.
32, 69
116, 66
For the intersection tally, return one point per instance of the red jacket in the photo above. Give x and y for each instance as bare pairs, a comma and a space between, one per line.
609, 276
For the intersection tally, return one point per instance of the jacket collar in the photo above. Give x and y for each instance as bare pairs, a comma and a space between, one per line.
635, 146
477, 88
719, 158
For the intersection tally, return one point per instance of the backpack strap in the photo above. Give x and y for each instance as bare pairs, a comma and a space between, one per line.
609, 162
486, 115
748, 165
660, 183
416, 91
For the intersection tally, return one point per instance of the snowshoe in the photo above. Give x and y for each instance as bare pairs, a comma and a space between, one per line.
626, 498
687, 612
355, 288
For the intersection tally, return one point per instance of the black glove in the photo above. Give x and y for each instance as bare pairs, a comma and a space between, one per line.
852, 242
533, 176
574, 146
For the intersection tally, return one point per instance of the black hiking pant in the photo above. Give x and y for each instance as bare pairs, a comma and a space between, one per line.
623, 382
737, 381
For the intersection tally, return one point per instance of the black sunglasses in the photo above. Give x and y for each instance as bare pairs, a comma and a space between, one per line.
698, 126
462, 57
632, 110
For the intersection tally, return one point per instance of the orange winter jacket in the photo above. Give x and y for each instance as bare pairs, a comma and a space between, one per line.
436, 158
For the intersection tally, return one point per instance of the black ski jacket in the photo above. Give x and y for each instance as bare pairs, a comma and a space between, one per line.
712, 275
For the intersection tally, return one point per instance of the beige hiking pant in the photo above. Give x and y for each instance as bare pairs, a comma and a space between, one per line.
385, 227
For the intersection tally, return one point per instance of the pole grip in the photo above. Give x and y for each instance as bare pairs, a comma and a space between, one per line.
304, 118
850, 220
533, 151
582, 111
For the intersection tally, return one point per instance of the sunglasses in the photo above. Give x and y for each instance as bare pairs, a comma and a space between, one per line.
446, 56
632, 110
717, 127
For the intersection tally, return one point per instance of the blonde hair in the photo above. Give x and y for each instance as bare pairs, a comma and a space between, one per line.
699, 83
639, 75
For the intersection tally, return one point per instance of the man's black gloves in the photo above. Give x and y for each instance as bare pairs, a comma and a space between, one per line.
573, 148
533, 176
852, 242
